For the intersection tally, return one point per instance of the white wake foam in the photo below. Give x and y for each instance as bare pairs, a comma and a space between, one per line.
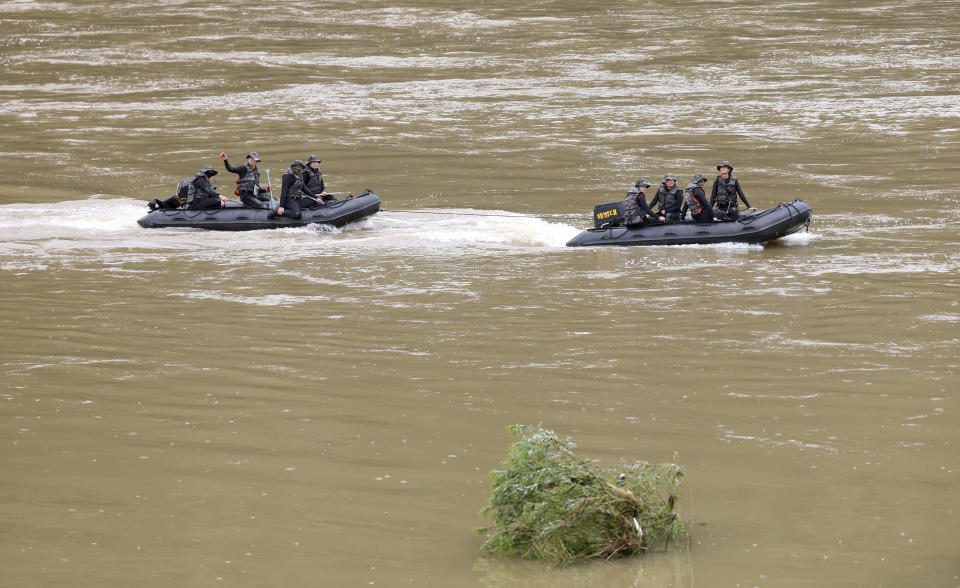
111, 224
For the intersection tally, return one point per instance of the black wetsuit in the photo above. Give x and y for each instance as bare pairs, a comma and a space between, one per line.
703, 213
248, 186
173, 202
636, 211
724, 196
291, 189
314, 181
205, 196
670, 202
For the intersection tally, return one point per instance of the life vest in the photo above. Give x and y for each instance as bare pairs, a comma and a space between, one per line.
726, 192
192, 187
692, 203
669, 200
249, 182
314, 179
296, 189
182, 188
631, 208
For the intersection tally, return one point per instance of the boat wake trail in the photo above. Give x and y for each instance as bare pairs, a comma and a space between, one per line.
79, 219
104, 224
469, 227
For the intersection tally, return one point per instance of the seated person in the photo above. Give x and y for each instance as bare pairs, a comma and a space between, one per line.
313, 178
695, 200
292, 188
636, 212
726, 190
200, 194
178, 199
670, 198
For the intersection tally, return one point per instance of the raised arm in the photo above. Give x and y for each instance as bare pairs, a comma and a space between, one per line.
240, 171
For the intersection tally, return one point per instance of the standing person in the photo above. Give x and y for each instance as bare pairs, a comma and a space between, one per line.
291, 189
635, 208
313, 178
726, 189
670, 198
695, 199
248, 181
200, 195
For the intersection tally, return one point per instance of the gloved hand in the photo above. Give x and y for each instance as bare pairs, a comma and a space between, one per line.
223, 155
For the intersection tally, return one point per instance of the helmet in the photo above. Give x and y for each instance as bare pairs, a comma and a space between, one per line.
642, 182
313, 158
725, 164
297, 162
208, 170
698, 178
253, 154
669, 177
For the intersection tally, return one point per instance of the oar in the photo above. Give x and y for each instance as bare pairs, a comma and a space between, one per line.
321, 201
273, 201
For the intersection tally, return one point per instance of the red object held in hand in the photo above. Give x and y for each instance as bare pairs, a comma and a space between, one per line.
223, 155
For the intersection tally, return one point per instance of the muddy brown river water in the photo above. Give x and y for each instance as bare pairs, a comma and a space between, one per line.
314, 407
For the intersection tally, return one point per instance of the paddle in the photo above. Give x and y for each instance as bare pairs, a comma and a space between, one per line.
273, 201
321, 201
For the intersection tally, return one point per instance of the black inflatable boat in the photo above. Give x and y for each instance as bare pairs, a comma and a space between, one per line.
753, 227
236, 217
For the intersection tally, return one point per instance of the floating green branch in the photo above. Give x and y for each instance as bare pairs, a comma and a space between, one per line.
548, 503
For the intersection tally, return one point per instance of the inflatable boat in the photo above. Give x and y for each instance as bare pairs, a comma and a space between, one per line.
237, 217
753, 227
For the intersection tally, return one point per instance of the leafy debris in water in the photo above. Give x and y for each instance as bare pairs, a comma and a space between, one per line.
548, 503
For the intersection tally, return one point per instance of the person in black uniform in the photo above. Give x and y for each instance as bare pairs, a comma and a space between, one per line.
726, 189
200, 195
636, 212
174, 202
313, 179
248, 181
292, 188
695, 200
670, 199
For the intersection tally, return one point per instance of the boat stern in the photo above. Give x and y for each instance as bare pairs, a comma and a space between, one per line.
579, 240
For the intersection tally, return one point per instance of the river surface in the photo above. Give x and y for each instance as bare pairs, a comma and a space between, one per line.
312, 407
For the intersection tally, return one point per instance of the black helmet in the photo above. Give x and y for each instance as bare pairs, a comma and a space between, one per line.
313, 158
669, 177
698, 178
642, 182
297, 162
725, 164
253, 154
208, 170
